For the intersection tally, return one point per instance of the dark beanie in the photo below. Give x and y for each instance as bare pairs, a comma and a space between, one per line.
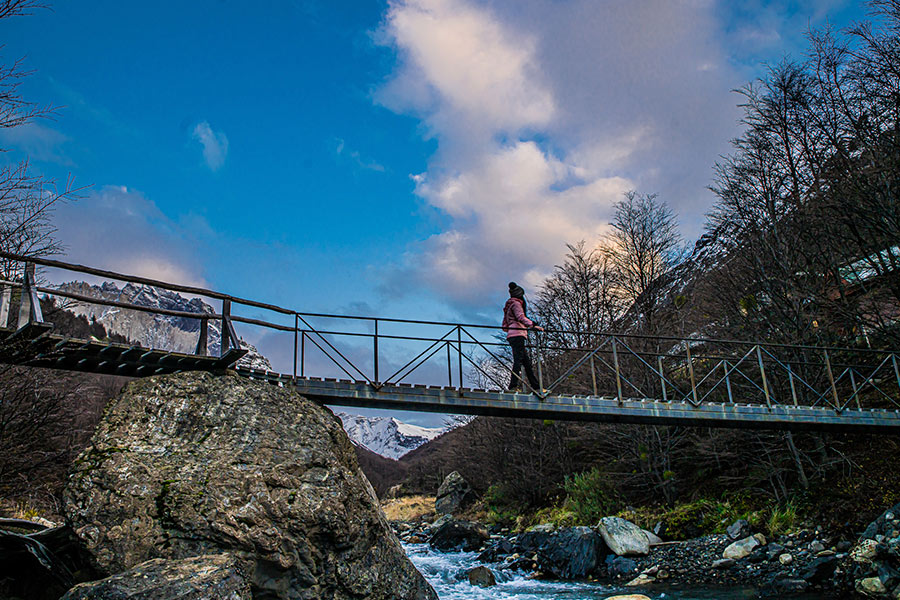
515, 290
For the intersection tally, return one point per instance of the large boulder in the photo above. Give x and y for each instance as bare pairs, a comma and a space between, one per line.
453, 494
210, 577
191, 464
454, 535
623, 537
566, 553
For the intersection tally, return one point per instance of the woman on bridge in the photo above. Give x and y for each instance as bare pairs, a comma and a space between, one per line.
516, 325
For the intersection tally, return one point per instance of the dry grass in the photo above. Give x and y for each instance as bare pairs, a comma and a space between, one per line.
408, 508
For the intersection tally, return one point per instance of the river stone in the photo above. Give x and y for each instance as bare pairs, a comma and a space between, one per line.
741, 548
739, 529
871, 586
190, 464
209, 577
623, 537
618, 566
459, 535
566, 553
453, 494
482, 577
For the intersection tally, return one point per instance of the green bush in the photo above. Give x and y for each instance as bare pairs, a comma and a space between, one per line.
589, 497
501, 510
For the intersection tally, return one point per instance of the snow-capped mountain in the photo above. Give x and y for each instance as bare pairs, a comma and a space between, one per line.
177, 334
387, 436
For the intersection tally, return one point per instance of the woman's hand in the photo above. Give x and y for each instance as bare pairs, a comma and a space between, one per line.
538, 328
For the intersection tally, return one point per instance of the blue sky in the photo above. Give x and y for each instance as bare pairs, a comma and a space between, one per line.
401, 158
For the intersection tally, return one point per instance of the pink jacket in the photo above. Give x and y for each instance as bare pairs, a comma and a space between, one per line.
515, 323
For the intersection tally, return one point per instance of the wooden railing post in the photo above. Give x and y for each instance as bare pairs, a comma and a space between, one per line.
203, 340
5, 300
29, 305
229, 338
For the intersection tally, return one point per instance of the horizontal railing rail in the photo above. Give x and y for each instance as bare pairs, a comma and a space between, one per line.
620, 365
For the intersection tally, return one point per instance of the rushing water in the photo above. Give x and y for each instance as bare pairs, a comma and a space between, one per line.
446, 572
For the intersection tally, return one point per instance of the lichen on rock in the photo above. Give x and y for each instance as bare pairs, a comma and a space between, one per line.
190, 464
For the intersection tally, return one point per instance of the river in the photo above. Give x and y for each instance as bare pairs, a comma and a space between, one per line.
446, 572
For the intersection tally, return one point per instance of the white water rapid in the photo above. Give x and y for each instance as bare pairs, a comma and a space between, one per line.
447, 573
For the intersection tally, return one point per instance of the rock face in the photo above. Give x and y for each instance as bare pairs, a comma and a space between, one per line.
191, 464
623, 537
452, 495
210, 577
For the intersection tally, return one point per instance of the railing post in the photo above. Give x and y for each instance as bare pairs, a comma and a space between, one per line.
618, 372
728, 382
449, 367
5, 300
229, 337
662, 378
203, 339
593, 374
690, 365
29, 305
540, 358
834, 393
855, 389
303, 353
896, 370
459, 348
296, 332
762, 372
375, 349
793, 387
224, 338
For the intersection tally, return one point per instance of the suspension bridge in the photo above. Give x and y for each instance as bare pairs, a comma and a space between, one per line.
456, 368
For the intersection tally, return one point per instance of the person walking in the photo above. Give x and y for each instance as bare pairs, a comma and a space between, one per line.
516, 325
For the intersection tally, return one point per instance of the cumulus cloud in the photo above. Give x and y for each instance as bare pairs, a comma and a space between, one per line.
545, 113
215, 145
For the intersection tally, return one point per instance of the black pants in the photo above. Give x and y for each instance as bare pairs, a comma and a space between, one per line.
521, 359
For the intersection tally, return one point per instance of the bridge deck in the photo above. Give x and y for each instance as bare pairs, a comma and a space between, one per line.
583, 408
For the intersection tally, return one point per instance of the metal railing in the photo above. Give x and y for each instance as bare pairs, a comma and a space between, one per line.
382, 351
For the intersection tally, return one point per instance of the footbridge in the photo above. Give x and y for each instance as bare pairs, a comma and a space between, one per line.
463, 368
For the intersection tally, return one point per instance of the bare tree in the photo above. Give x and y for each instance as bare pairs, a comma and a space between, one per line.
644, 248
27, 199
580, 296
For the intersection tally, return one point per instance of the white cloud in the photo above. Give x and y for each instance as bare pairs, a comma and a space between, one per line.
37, 142
215, 145
545, 113
122, 230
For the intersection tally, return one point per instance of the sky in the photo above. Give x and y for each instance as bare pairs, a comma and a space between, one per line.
404, 158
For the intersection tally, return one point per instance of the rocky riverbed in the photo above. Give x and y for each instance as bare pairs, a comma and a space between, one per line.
803, 564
